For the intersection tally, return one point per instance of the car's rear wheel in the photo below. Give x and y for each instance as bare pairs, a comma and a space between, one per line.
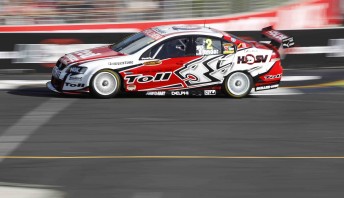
238, 84
105, 84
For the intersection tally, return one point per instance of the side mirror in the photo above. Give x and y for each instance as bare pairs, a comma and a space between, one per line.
180, 47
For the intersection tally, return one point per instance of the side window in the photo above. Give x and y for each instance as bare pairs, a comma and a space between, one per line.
170, 49
213, 46
208, 46
151, 53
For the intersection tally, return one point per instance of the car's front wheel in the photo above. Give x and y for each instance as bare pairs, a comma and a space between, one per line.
238, 84
105, 84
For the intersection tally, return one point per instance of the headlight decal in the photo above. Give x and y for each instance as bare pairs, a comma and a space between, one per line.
77, 70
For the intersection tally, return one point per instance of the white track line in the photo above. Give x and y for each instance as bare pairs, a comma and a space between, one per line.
276, 92
300, 78
20, 192
15, 84
15, 135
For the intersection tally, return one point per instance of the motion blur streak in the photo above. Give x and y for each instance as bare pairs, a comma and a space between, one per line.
14, 192
14, 84
29, 123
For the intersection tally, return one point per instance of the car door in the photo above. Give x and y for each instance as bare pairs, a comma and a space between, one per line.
216, 58
160, 63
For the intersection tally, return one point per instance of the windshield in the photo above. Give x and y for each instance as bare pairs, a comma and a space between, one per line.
133, 43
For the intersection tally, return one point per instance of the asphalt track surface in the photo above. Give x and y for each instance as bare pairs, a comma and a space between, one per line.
175, 147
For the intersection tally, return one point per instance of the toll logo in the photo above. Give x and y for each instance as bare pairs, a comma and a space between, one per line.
75, 85
148, 78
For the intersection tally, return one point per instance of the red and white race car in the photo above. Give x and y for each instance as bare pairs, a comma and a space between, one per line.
174, 60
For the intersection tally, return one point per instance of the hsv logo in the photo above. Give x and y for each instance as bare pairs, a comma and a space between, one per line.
148, 78
251, 59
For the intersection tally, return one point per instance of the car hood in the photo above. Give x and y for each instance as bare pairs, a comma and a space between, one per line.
90, 54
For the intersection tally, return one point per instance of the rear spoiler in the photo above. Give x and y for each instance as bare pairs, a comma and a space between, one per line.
278, 38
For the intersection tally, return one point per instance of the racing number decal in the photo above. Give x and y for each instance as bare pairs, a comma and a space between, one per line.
209, 43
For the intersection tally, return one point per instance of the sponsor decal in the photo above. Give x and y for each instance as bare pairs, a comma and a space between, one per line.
228, 48
121, 63
77, 70
289, 42
148, 78
242, 45
251, 59
276, 34
152, 63
201, 51
155, 93
266, 87
151, 33
179, 93
233, 39
75, 78
158, 30
270, 77
131, 87
74, 85
209, 92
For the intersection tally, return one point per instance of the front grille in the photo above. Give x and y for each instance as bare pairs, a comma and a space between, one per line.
57, 83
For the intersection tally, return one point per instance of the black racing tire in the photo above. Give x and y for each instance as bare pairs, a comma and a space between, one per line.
105, 84
238, 84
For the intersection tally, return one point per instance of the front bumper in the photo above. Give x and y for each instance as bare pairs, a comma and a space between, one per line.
51, 87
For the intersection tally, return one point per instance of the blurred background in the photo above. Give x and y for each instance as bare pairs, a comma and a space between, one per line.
35, 33
27, 12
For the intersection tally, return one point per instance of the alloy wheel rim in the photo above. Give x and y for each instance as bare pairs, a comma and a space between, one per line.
238, 83
105, 83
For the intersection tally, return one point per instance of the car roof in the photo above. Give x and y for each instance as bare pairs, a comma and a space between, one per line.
159, 32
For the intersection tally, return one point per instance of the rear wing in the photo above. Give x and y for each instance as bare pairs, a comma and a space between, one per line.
278, 38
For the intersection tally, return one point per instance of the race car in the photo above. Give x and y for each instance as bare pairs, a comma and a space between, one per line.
174, 60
